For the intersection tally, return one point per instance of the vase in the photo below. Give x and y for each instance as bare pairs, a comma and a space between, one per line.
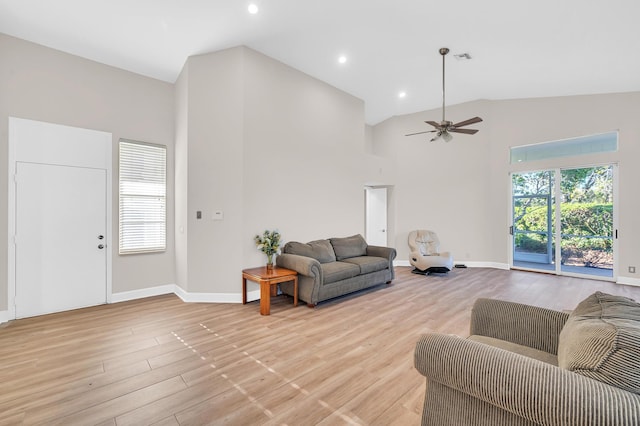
269, 262
270, 266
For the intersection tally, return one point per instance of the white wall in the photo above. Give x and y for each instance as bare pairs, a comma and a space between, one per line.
438, 185
303, 159
461, 188
270, 147
213, 154
526, 121
43, 84
181, 173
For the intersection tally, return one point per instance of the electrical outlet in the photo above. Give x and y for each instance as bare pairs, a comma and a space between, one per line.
632, 269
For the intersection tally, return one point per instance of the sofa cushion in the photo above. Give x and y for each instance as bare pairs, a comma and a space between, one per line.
601, 340
338, 271
516, 348
347, 247
369, 264
321, 250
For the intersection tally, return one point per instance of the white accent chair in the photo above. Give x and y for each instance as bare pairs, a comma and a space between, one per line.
425, 254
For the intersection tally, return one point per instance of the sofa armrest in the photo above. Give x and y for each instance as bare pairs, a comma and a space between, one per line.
534, 390
384, 252
526, 325
303, 265
379, 251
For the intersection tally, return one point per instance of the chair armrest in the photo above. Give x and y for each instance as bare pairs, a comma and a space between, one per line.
534, 390
526, 325
303, 265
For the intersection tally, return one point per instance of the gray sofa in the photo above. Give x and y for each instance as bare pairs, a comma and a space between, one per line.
525, 365
335, 267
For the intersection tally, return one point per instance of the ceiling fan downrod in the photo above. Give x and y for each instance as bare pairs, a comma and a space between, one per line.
443, 52
445, 128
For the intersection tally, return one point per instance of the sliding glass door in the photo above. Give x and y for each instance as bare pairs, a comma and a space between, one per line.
586, 223
578, 237
533, 222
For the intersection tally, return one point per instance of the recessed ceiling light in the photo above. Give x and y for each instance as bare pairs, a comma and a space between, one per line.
253, 8
402, 95
342, 59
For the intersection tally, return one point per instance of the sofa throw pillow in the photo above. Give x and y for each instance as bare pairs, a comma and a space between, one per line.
349, 247
321, 250
601, 340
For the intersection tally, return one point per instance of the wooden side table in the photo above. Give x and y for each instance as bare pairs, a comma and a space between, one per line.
268, 280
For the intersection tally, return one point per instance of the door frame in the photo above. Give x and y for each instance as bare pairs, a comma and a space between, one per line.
367, 190
45, 143
557, 195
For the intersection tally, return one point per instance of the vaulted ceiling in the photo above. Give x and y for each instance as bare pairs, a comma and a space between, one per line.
518, 49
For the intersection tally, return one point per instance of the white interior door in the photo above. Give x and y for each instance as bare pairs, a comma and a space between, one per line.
61, 230
376, 216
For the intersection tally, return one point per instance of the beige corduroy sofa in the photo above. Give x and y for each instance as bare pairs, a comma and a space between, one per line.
525, 365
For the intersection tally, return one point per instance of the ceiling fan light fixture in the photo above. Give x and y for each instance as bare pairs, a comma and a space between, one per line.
446, 136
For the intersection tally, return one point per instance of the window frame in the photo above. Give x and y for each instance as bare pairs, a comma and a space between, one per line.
151, 189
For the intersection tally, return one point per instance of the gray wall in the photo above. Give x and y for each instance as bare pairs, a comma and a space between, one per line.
214, 173
43, 84
270, 147
461, 189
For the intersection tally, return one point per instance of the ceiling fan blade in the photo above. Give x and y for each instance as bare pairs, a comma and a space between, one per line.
420, 133
434, 124
465, 131
467, 122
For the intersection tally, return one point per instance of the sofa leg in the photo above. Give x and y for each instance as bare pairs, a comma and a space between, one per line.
388, 282
311, 305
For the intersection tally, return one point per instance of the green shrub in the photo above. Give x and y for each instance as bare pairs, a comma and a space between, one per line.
578, 220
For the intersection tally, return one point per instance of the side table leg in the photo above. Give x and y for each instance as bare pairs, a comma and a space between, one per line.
265, 298
244, 290
295, 291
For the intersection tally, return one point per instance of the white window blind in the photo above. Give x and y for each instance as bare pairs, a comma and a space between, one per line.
143, 197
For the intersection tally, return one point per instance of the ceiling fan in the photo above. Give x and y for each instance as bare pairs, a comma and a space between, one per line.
445, 128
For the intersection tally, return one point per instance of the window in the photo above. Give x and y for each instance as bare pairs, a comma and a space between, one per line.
143, 197
605, 142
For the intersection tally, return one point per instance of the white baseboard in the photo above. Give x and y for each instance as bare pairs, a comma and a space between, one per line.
494, 265
4, 317
628, 281
184, 295
142, 293
214, 297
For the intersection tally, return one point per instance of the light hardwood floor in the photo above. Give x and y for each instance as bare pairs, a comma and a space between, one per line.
162, 361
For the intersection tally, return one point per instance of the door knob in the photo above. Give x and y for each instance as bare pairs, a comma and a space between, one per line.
100, 246
100, 237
